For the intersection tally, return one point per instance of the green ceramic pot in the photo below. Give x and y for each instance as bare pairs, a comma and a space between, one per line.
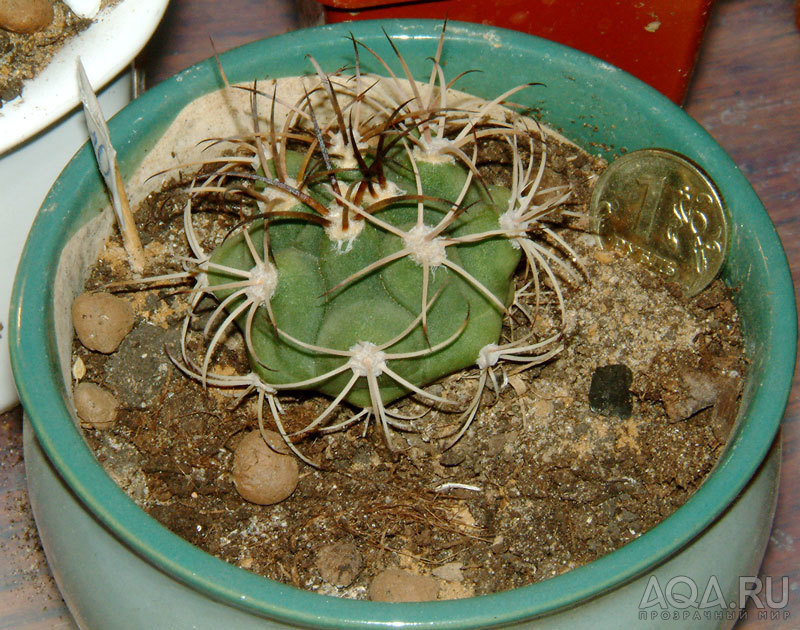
119, 568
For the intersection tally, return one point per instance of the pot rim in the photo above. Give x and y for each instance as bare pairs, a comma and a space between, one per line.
45, 400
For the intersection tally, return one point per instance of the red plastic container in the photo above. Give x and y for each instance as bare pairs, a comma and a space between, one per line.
655, 40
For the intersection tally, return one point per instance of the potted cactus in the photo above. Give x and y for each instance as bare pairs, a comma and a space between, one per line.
376, 258
298, 277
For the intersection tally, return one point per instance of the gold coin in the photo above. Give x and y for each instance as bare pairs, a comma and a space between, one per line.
664, 212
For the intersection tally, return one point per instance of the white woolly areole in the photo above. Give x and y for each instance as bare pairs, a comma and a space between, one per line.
380, 193
512, 224
366, 359
343, 238
263, 282
285, 199
344, 153
488, 356
423, 250
433, 151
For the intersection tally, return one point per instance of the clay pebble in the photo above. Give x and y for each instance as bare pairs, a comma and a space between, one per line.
339, 563
96, 407
262, 475
101, 320
25, 16
396, 585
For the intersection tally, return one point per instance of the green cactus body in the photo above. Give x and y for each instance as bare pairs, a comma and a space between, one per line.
378, 306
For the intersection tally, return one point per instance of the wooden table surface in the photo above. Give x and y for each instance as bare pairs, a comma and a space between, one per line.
745, 92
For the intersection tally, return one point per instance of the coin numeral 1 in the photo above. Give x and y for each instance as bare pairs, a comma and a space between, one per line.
648, 208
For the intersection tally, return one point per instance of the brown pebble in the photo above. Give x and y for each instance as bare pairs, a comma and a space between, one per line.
25, 16
396, 585
695, 391
339, 563
96, 407
604, 256
262, 475
101, 320
450, 572
453, 456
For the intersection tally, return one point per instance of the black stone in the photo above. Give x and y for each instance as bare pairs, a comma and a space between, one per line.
610, 392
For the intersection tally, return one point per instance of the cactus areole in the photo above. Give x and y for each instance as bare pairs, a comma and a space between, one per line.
375, 258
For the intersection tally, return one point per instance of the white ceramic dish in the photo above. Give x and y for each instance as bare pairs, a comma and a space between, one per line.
105, 48
41, 129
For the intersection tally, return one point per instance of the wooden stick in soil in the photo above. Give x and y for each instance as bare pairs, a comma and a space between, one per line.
109, 169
